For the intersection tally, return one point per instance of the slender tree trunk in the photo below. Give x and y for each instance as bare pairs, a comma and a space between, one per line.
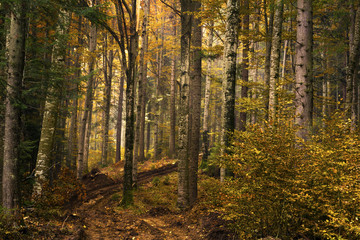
87, 138
108, 73
173, 97
183, 154
46, 143
148, 132
245, 64
351, 76
207, 101
304, 71
195, 91
269, 32
15, 61
72, 146
88, 102
119, 120
160, 56
130, 105
143, 75
275, 58
229, 80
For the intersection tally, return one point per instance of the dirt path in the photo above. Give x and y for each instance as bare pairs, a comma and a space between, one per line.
100, 217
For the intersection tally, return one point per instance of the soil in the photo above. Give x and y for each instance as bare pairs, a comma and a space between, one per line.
99, 215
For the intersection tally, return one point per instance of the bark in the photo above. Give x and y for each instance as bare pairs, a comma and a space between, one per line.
183, 138
195, 88
43, 160
245, 64
275, 58
207, 101
228, 96
143, 77
15, 66
148, 132
351, 76
173, 97
130, 104
269, 32
304, 68
160, 56
72, 139
87, 138
88, 102
108, 73
119, 120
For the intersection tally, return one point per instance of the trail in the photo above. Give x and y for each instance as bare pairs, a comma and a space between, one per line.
100, 217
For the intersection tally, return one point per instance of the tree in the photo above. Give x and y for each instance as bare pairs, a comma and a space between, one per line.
128, 42
108, 60
143, 77
206, 136
15, 61
229, 80
173, 96
88, 101
245, 62
275, 57
304, 68
195, 94
183, 138
352, 75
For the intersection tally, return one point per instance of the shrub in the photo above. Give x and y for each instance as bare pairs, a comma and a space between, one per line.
287, 191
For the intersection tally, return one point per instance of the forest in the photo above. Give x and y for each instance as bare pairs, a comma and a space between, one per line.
190, 119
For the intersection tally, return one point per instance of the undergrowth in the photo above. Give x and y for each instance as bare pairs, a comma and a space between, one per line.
289, 189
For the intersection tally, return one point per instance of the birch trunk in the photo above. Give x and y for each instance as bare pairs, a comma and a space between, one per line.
46, 143
173, 97
207, 101
119, 120
143, 77
275, 58
88, 100
269, 23
108, 73
229, 80
183, 138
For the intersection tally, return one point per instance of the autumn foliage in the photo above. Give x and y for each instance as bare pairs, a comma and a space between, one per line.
286, 188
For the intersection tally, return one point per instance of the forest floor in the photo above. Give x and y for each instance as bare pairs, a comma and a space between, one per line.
153, 216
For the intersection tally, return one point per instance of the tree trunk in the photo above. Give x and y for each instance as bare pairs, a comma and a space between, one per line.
275, 58
108, 73
72, 146
160, 56
87, 138
269, 32
130, 102
88, 101
15, 60
46, 143
245, 64
173, 97
119, 120
229, 80
206, 139
143, 77
351, 76
195, 91
304, 68
183, 138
